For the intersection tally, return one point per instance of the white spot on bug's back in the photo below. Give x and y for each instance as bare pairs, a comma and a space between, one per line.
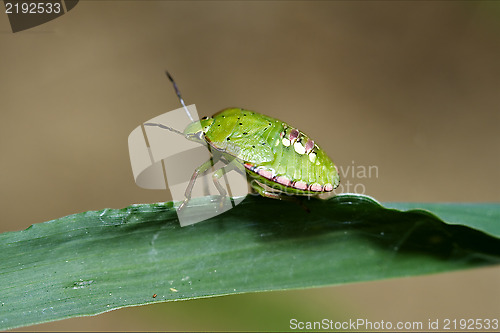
299, 148
277, 142
286, 142
312, 157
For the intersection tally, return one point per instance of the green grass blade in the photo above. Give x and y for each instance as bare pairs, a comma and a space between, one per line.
89, 263
482, 216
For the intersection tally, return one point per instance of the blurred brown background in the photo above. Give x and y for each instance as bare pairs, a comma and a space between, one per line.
409, 87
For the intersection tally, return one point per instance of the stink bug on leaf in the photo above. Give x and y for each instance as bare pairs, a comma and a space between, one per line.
278, 159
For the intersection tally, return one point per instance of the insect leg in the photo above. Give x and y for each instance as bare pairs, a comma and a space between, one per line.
199, 170
274, 195
216, 177
263, 192
232, 164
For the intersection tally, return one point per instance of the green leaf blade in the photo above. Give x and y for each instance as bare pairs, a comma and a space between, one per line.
89, 263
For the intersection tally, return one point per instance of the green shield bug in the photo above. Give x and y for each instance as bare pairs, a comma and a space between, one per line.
279, 160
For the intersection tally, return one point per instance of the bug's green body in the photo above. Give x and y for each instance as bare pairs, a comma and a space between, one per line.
273, 152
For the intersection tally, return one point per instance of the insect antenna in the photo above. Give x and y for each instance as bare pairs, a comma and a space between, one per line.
177, 91
164, 127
